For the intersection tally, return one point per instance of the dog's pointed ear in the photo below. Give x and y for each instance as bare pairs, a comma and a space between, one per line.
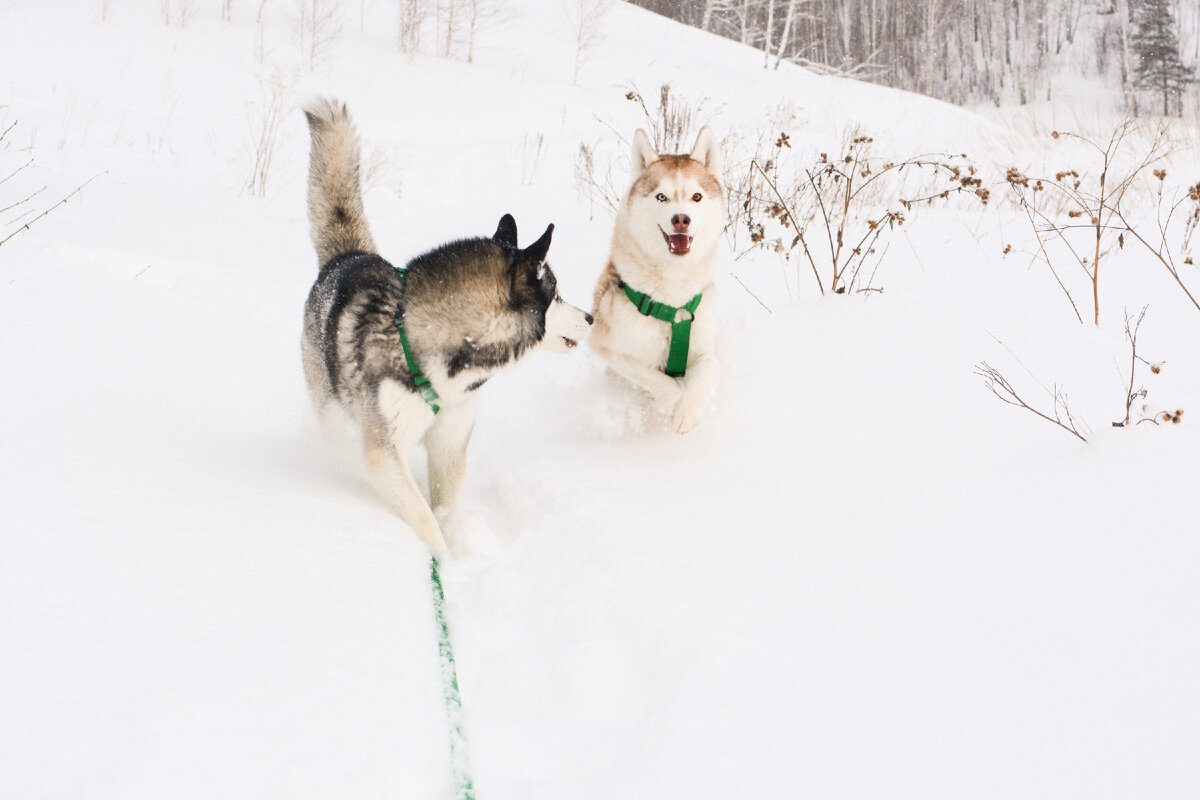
536, 252
708, 151
643, 154
506, 232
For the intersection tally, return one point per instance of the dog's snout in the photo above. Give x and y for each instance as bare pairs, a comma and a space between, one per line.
680, 222
590, 319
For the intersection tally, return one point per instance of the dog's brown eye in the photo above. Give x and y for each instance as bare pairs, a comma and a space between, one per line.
660, 197
696, 198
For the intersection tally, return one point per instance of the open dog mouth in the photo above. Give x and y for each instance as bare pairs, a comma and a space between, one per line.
570, 343
679, 244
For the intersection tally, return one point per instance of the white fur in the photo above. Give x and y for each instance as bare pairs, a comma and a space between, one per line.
564, 324
636, 346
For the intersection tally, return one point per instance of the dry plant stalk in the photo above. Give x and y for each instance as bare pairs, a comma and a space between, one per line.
846, 198
20, 205
1095, 206
670, 125
1162, 250
1062, 418
597, 188
1132, 326
672, 122
265, 125
1131, 396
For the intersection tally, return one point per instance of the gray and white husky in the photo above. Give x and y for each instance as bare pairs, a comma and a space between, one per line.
463, 312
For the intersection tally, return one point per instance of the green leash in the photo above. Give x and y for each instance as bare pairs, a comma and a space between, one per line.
681, 324
424, 387
463, 788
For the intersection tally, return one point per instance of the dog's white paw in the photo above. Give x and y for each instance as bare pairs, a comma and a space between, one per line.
430, 532
669, 395
468, 534
690, 409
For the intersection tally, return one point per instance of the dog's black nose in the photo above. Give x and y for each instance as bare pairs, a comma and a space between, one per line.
590, 319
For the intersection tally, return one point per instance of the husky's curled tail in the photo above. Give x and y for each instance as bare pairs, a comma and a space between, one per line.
335, 206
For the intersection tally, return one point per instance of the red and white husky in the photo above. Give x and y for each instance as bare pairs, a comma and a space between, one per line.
664, 255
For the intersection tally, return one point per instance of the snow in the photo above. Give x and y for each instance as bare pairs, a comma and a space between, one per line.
861, 576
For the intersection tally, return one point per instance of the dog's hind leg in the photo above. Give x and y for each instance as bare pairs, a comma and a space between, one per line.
446, 443
388, 440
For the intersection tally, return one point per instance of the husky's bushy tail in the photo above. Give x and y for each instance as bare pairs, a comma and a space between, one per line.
335, 207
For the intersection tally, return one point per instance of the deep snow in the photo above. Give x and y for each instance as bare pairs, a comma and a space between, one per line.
861, 576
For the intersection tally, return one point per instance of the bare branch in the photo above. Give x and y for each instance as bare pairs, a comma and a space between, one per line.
27, 225
1004, 390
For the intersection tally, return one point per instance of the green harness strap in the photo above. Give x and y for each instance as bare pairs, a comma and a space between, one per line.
424, 387
681, 325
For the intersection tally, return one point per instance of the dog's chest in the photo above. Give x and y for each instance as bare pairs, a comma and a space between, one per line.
648, 339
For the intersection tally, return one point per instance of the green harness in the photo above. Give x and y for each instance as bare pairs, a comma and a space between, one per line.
679, 318
424, 387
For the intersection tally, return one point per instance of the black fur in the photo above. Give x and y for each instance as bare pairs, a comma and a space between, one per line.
443, 288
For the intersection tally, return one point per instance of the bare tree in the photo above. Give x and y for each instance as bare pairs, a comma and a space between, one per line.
318, 25
959, 50
483, 15
410, 15
449, 6
182, 10
785, 36
586, 18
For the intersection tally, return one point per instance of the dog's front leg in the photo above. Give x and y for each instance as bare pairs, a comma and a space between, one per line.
664, 389
403, 418
446, 444
389, 471
700, 387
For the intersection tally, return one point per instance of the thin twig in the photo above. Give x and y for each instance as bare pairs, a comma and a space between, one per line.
795, 223
22, 202
1000, 387
752, 294
51, 208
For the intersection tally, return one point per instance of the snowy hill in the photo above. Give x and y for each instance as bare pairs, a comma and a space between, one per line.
861, 576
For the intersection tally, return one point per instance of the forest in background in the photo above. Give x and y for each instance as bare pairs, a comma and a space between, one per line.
1142, 52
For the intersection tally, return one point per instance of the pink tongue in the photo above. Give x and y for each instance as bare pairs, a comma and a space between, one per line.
680, 243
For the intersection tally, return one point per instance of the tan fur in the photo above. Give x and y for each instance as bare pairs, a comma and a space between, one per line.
335, 210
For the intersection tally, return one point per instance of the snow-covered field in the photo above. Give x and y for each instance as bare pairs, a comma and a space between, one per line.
861, 577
